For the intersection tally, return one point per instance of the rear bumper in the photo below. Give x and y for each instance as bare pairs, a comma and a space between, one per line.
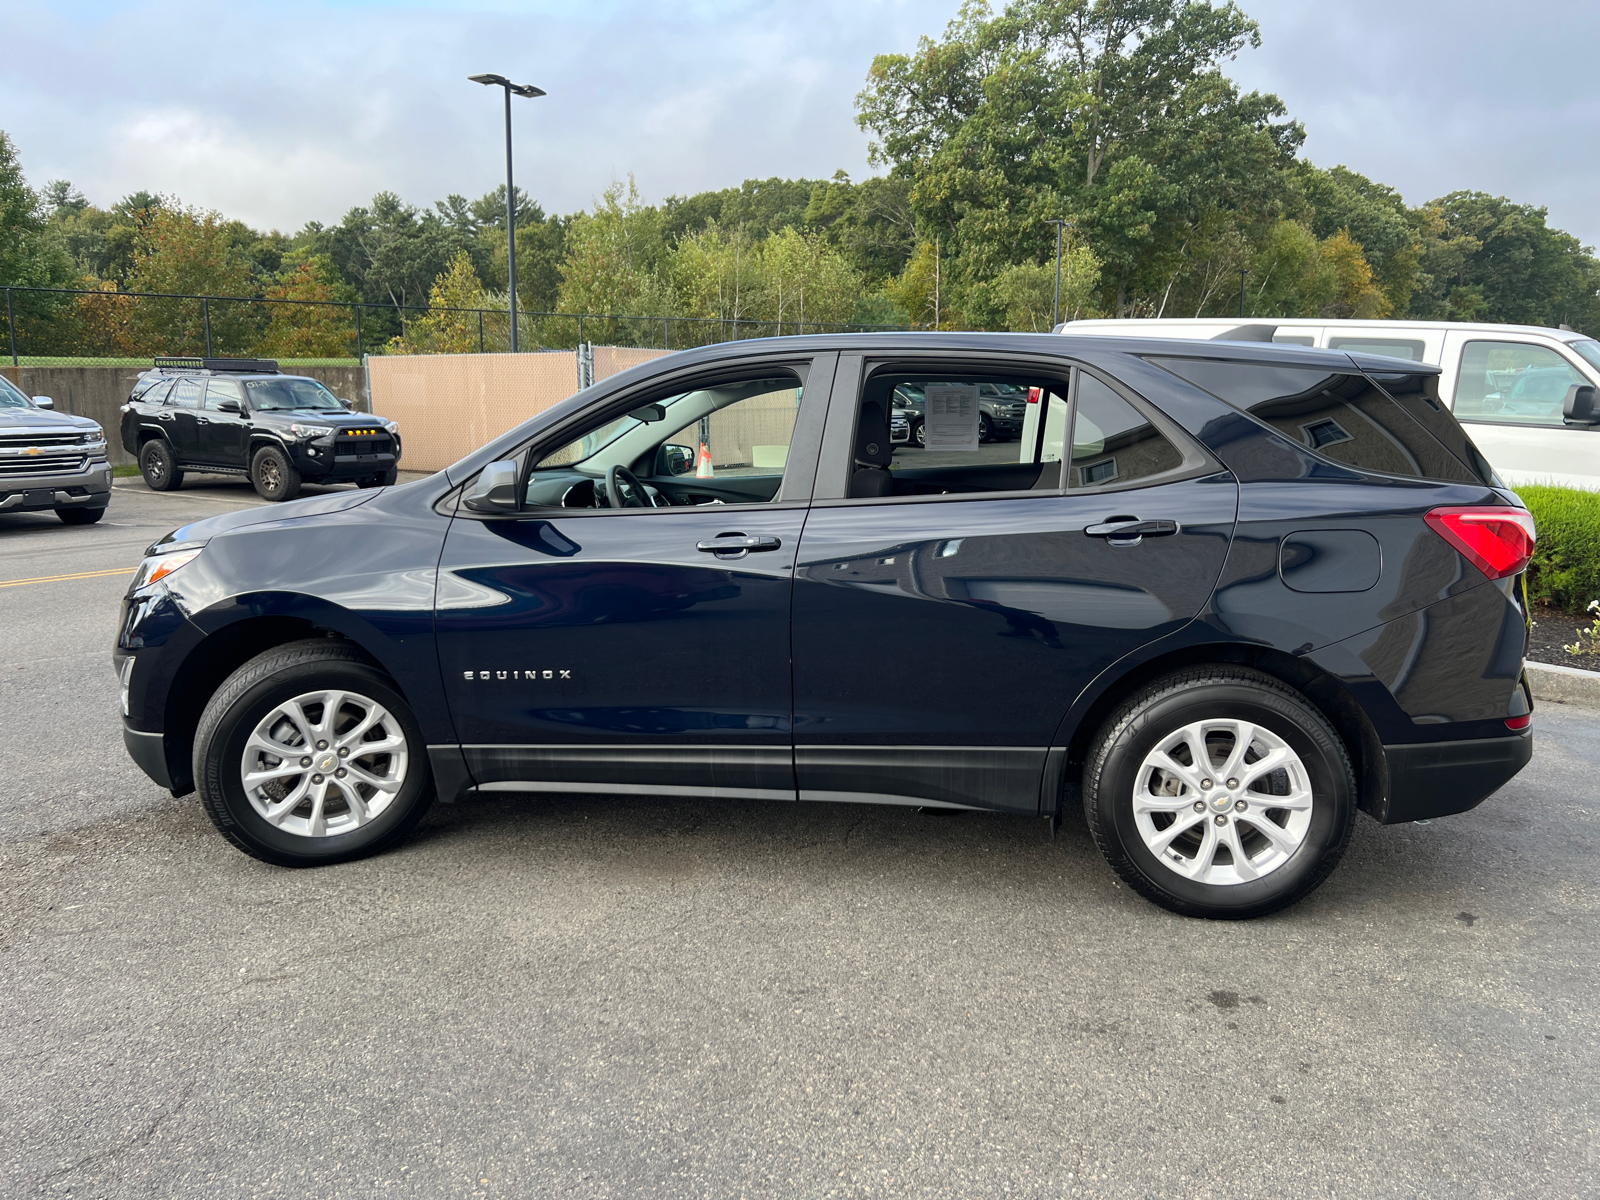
89, 488
1436, 779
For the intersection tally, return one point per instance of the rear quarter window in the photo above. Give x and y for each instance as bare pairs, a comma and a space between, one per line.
1341, 415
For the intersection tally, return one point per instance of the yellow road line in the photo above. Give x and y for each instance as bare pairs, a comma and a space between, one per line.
61, 578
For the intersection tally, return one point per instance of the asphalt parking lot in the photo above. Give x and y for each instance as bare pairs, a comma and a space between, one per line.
630, 997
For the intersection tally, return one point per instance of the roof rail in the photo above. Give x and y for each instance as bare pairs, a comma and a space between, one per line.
1247, 333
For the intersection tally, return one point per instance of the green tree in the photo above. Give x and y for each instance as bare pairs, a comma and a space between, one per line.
613, 256
309, 330
445, 330
1488, 258
1114, 112
29, 255
184, 251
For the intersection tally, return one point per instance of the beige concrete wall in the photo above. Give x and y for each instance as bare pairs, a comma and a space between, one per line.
448, 405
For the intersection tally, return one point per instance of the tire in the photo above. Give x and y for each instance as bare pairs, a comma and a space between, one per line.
262, 821
159, 466
985, 428
381, 479
81, 516
1188, 875
919, 435
274, 476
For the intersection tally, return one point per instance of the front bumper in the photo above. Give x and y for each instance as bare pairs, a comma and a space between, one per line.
89, 488
320, 462
1436, 779
149, 751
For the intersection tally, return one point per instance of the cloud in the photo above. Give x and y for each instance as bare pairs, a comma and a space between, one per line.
293, 111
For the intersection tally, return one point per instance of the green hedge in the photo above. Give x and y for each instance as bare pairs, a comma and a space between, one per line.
1566, 564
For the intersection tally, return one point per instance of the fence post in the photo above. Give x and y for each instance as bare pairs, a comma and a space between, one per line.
11, 328
360, 349
205, 311
666, 333
580, 329
480, 331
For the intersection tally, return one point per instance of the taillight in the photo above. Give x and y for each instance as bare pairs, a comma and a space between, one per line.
1517, 724
1034, 394
1498, 541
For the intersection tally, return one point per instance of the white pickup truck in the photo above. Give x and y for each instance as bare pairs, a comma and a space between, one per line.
1513, 386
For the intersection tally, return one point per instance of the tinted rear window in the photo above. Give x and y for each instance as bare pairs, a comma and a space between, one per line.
1341, 415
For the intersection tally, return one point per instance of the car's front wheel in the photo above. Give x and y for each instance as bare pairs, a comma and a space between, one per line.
309, 754
274, 476
159, 467
919, 435
1220, 792
985, 427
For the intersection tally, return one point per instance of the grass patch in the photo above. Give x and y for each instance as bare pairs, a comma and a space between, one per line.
1566, 562
125, 471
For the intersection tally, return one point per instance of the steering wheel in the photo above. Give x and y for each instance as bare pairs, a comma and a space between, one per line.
615, 478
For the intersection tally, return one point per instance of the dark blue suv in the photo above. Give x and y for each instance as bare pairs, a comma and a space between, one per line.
1222, 595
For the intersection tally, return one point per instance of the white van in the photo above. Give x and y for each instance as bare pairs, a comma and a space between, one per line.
1509, 384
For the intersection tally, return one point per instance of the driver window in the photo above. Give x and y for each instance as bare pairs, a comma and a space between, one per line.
726, 443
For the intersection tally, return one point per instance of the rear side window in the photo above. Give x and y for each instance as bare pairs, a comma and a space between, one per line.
186, 392
1418, 394
1113, 442
1340, 415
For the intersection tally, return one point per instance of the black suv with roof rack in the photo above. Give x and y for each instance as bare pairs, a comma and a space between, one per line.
242, 416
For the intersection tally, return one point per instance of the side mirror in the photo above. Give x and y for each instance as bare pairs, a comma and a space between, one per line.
44, 402
676, 460
348, 407
1579, 407
230, 406
649, 414
496, 489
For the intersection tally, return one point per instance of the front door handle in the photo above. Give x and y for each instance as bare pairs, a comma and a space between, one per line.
737, 545
1128, 531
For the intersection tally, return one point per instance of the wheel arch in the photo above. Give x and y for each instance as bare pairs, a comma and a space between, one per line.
1323, 690
212, 659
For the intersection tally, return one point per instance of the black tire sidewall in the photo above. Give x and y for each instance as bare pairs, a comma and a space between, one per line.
286, 474
217, 766
1332, 810
80, 516
157, 447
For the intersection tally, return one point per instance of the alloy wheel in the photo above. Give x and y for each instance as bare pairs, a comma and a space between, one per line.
1222, 801
324, 763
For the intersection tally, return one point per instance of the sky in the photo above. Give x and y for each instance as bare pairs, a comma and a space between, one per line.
285, 112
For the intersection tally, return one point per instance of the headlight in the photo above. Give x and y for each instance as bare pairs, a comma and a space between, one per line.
158, 566
304, 433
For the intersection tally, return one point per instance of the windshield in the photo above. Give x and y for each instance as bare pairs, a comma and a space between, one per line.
1590, 349
10, 397
283, 395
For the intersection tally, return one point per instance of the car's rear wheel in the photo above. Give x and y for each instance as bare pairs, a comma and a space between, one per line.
1220, 792
309, 754
81, 516
274, 476
159, 467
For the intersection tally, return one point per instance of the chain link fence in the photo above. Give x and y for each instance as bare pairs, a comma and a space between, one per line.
83, 327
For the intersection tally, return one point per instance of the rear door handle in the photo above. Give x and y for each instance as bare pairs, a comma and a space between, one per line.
1129, 530
737, 545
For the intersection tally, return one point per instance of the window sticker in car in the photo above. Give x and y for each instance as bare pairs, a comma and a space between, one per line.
952, 416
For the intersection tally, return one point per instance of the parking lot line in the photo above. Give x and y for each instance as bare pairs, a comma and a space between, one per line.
61, 578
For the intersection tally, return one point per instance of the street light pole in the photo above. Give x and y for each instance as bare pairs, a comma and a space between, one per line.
531, 92
1055, 312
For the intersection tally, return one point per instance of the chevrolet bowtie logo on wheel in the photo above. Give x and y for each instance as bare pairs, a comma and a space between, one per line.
556, 673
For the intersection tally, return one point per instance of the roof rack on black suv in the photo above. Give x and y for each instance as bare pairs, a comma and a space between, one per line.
242, 416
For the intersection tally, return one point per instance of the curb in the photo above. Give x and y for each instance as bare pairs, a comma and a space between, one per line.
1564, 685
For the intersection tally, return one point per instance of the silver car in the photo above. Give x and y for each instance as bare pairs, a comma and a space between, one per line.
51, 461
